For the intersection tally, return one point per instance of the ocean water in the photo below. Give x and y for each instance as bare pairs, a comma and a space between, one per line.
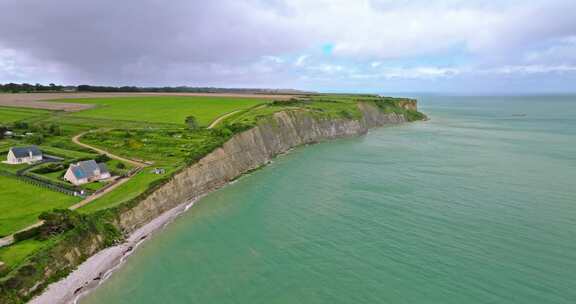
477, 205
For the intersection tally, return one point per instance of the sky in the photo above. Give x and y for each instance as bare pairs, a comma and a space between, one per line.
458, 46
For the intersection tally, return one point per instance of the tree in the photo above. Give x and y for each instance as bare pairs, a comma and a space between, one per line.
191, 122
36, 139
54, 129
3, 130
102, 158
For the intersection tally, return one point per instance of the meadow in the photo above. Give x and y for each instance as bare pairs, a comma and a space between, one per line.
21, 203
10, 115
162, 109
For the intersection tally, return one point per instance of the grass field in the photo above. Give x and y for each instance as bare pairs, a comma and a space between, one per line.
162, 109
9, 115
123, 193
21, 203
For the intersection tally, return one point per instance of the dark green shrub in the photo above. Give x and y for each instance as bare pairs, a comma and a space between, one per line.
27, 234
102, 158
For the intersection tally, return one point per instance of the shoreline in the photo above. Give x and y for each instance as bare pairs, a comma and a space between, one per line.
99, 267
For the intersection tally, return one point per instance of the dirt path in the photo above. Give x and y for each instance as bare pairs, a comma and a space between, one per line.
219, 119
76, 140
7, 240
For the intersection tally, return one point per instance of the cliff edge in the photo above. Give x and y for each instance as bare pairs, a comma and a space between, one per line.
250, 150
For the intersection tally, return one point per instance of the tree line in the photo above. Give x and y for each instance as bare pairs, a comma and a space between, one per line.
32, 88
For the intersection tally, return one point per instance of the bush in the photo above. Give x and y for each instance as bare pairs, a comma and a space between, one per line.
58, 221
21, 125
346, 114
49, 168
291, 101
102, 158
120, 166
36, 139
191, 122
27, 234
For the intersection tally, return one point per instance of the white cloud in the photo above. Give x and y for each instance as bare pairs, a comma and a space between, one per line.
271, 43
301, 60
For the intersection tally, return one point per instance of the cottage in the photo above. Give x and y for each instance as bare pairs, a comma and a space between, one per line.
24, 155
86, 172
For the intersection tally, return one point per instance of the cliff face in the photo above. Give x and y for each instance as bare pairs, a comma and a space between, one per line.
249, 150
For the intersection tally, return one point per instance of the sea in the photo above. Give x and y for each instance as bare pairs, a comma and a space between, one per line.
476, 205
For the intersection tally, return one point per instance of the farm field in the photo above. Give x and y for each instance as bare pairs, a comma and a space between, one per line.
9, 115
162, 109
21, 203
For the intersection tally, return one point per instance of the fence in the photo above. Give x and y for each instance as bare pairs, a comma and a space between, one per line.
29, 179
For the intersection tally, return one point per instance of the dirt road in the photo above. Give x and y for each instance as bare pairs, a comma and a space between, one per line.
76, 140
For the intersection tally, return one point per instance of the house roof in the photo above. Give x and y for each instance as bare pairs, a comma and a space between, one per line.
20, 152
103, 168
78, 172
86, 168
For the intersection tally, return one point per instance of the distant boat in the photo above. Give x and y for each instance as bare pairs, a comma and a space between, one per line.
519, 115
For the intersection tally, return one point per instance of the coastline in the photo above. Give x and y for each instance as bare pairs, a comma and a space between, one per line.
99, 267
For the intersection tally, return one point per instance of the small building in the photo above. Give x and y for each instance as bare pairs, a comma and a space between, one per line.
86, 172
158, 171
24, 155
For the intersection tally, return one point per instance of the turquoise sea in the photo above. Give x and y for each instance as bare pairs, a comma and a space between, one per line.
477, 205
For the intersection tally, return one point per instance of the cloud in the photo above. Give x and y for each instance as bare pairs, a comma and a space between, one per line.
283, 43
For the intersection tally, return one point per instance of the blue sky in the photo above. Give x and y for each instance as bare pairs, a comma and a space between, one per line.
473, 46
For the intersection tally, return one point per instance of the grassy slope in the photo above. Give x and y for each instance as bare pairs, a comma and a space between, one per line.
16, 253
21, 204
123, 193
162, 109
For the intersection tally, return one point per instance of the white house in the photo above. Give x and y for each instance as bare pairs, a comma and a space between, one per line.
86, 172
24, 155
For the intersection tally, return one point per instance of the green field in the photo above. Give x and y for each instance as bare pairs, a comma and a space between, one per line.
123, 193
21, 203
162, 109
9, 115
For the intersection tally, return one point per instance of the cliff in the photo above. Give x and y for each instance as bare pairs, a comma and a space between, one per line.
250, 150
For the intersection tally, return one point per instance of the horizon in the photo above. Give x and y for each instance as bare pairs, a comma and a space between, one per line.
369, 46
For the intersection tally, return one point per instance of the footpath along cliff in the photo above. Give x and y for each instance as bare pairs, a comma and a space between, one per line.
242, 153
